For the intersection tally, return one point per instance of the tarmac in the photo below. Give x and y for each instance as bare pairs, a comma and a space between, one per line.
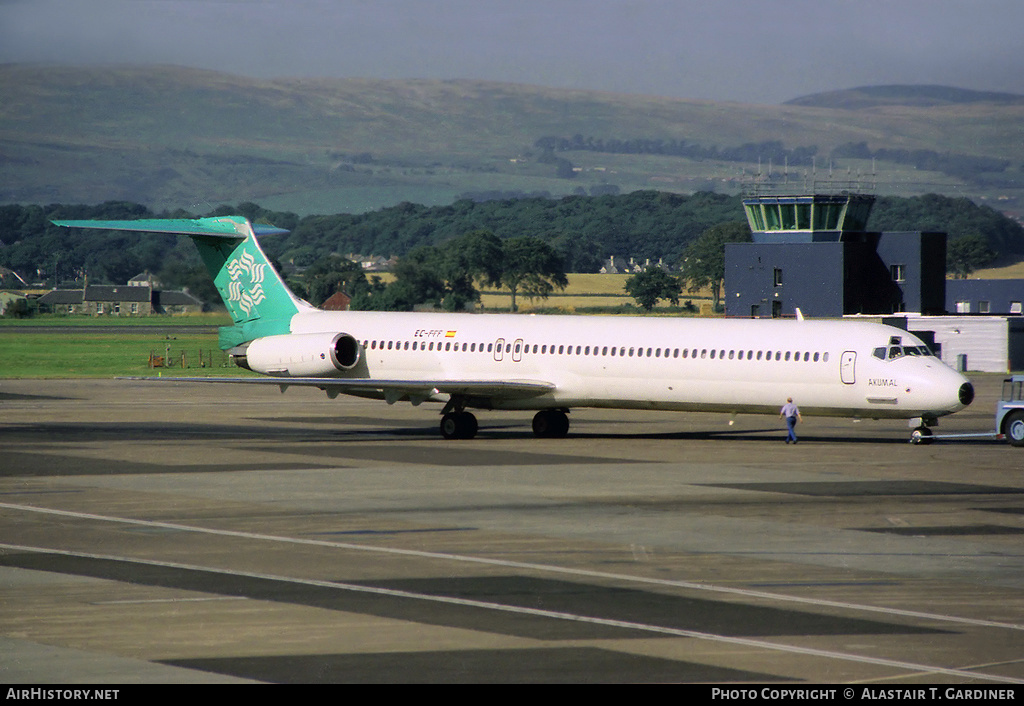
161, 532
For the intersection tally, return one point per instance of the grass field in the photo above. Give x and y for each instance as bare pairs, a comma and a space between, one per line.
127, 322
87, 354
1010, 271
586, 293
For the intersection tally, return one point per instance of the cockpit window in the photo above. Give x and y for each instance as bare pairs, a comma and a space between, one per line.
893, 352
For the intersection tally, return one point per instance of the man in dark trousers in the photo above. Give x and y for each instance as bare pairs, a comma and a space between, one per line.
791, 414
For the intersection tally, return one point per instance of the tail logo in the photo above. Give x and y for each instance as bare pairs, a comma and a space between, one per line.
246, 296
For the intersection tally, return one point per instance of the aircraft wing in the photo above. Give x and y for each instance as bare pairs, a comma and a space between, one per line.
393, 390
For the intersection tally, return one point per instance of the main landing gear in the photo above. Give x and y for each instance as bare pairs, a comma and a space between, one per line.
550, 423
458, 425
547, 424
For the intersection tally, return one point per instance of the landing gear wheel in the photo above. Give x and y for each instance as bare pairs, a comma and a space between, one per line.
458, 425
921, 435
1014, 428
550, 424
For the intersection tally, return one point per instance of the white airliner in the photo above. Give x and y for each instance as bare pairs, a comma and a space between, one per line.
555, 363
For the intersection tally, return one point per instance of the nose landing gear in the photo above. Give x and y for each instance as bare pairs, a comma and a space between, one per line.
921, 435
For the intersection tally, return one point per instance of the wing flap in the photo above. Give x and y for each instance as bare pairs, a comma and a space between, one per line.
421, 389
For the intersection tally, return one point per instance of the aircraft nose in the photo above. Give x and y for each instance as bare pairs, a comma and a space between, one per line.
966, 394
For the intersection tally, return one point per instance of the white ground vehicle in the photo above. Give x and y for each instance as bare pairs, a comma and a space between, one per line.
1010, 410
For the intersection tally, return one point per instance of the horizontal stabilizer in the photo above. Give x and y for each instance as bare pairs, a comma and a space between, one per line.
224, 226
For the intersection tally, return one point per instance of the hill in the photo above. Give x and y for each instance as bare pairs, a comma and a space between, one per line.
898, 95
173, 137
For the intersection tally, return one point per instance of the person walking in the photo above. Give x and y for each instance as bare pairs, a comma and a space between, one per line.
791, 413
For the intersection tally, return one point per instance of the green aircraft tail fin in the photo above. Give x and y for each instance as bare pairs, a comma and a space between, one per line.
258, 300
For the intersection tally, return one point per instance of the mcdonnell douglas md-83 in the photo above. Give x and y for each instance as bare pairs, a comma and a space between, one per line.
552, 364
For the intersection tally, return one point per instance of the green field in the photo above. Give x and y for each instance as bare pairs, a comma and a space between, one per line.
84, 353
50, 321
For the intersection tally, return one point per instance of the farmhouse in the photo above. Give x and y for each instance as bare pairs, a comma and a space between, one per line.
119, 300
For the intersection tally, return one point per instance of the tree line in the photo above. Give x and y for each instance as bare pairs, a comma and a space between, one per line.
447, 276
768, 150
581, 231
962, 166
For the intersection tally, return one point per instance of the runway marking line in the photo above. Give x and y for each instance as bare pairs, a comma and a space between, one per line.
537, 612
523, 610
746, 593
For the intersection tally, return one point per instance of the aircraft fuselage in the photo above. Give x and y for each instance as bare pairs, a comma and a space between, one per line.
710, 365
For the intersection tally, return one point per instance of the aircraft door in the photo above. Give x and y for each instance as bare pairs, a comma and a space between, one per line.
846, 367
517, 351
499, 349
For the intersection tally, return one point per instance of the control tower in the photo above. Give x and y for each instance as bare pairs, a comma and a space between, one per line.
814, 252
807, 219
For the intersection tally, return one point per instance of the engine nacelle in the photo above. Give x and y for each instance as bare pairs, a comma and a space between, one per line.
299, 354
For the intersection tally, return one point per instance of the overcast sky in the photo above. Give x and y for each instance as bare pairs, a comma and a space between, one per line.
758, 51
